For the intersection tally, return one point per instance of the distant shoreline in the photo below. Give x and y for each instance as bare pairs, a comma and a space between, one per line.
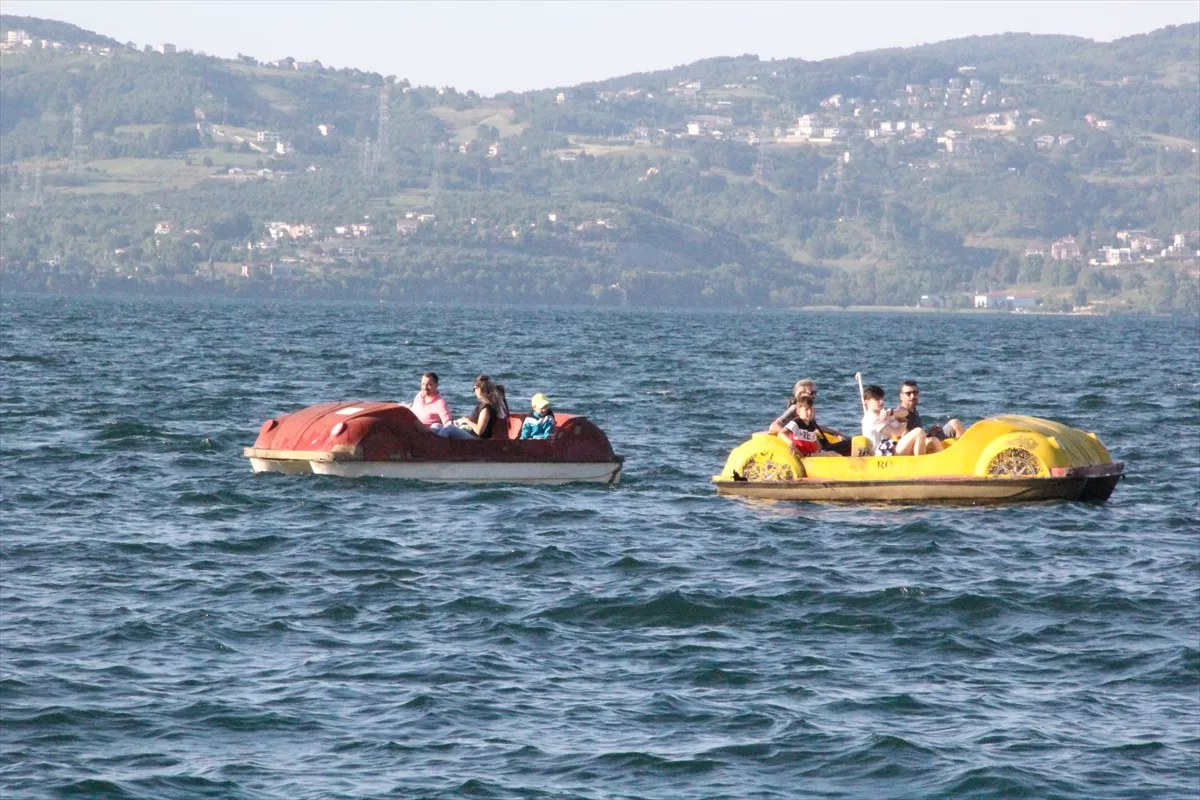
308, 299
923, 310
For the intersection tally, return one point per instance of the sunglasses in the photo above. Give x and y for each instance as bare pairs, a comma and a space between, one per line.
914, 391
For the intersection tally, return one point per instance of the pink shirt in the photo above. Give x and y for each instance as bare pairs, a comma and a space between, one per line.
432, 411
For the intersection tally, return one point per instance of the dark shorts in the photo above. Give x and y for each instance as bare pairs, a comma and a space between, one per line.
936, 432
842, 448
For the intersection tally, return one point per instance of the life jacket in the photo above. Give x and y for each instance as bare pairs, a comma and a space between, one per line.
805, 441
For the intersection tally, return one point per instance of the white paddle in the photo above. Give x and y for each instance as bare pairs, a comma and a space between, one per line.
858, 379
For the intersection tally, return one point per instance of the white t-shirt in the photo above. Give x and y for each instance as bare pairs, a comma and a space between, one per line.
878, 427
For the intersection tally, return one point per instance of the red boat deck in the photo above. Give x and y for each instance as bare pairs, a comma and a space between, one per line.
374, 431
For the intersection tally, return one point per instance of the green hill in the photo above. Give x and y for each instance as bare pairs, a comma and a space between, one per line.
876, 178
53, 30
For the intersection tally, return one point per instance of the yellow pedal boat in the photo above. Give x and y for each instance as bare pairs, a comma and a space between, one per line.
1009, 459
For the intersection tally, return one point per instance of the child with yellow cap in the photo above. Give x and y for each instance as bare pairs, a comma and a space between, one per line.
539, 424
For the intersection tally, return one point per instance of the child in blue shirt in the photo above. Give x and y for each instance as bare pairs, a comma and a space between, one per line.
539, 424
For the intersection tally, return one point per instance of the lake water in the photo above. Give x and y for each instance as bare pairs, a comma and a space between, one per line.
172, 625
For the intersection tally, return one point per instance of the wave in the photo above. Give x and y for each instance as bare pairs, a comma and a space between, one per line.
673, 609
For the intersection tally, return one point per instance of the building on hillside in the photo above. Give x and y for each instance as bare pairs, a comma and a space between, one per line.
278, 230
163, 228
1139, 240
1114, 255
166, 48
1145, 244
267, 136
807, 126
709, 122
355, 230
1066, 249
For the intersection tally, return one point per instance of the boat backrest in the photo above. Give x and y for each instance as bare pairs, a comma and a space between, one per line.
515, 420
514, 425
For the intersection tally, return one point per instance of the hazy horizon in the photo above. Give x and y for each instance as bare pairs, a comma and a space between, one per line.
521, 46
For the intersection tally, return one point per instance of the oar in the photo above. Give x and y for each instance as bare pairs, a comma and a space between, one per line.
858, 378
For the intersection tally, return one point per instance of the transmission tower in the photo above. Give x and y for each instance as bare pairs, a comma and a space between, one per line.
887, 225
435, 183
367, 160
78, 149
381, 141
764, 168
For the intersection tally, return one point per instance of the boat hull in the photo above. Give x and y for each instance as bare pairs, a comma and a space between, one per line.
969, 491
451, 472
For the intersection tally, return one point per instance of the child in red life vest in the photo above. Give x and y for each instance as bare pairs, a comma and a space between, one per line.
802, 432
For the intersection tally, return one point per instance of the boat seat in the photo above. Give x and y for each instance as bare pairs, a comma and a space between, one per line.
860, 446
515, 420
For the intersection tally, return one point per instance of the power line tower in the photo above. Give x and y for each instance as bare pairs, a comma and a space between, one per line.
366, 159
887, 225
78, 149
381, 141
764, 168
839, 189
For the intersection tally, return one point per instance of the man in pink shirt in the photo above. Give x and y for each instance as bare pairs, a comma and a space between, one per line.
429, 405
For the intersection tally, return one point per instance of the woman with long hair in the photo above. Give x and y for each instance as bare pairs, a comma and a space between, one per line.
482, 420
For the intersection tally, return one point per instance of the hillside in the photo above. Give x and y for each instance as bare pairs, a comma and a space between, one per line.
1048, 165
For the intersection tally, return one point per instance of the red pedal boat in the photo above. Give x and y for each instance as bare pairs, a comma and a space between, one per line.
386, 440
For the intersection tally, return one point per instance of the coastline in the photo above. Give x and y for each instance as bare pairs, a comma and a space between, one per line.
1087, 312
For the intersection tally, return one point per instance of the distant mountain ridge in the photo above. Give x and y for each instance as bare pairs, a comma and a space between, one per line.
941, 171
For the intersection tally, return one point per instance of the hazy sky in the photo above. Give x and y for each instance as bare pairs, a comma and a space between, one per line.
497, 46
